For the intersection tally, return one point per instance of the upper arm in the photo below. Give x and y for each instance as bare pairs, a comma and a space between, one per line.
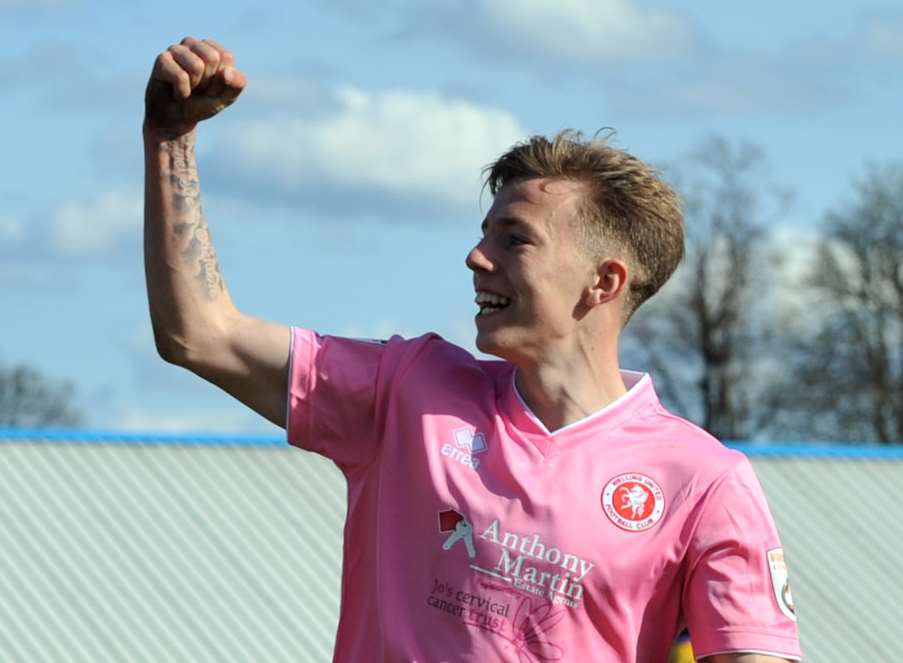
743, 658
249, 359
736, 594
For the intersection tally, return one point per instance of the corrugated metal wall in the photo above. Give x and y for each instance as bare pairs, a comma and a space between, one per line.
841, 522
158, 553
165, 553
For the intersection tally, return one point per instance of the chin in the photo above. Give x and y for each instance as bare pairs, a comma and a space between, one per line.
490, 344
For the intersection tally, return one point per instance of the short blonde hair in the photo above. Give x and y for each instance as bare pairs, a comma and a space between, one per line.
628, 206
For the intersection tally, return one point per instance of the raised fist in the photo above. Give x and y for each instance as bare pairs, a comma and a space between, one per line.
190, 82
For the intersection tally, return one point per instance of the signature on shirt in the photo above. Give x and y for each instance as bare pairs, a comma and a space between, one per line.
530, 629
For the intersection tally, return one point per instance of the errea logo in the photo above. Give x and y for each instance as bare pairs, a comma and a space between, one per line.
467, 438
468, 443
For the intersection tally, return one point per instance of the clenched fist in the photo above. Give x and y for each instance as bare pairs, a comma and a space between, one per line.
190, 82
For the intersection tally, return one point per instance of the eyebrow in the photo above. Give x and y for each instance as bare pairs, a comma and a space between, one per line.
505, 222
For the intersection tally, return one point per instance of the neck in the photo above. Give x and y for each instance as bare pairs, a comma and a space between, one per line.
570, 388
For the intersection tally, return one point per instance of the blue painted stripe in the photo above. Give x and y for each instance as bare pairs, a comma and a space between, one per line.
752, 449
819, 450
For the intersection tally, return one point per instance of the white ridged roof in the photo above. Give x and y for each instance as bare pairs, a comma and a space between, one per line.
157, 553
841, 523
166, 553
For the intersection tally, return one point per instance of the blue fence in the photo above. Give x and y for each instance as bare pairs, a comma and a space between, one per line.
75, 436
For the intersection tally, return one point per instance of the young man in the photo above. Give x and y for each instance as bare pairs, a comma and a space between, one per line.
544, 507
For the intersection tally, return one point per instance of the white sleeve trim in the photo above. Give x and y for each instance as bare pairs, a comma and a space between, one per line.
750, 651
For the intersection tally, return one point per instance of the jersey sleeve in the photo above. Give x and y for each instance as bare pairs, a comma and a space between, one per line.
737, 595
335, 392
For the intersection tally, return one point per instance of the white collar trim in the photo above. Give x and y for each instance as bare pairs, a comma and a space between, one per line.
633, 380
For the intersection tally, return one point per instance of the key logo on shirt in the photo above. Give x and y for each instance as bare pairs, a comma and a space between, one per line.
633, 502
461, 530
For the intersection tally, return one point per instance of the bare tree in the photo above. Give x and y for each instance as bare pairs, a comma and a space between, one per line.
30, 400
850, 375
705, 338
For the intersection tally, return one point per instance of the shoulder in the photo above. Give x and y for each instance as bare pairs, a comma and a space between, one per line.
429, 348
440, 361
397, 356
684, 444
716, 483
691, 465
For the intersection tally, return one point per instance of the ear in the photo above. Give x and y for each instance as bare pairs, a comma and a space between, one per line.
609, 284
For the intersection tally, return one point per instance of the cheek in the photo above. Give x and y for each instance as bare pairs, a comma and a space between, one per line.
567, 283
553, 302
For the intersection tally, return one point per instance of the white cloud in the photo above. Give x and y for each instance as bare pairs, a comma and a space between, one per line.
11, 230
162, 398
802, 307
570, 31
742, 83
884, 35
94, 227
288, 94
779, 290
134, 419
400, 145
798, 249
588, 29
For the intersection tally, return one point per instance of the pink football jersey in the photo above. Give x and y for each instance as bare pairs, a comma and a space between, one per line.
475, 534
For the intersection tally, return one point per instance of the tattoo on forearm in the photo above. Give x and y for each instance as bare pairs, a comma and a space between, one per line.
190, 227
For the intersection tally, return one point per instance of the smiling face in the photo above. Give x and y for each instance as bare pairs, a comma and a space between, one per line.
530, 275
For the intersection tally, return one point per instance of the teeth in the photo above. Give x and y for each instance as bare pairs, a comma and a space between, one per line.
483, 298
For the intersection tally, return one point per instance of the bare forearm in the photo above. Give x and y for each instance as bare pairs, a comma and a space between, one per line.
186, 291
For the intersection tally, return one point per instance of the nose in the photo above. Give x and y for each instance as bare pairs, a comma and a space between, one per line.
477, 260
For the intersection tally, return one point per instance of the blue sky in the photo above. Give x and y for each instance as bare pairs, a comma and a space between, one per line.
343, 188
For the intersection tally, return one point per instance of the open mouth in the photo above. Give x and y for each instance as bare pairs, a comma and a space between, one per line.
490, 302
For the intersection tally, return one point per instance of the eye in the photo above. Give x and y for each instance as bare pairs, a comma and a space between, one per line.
516, 240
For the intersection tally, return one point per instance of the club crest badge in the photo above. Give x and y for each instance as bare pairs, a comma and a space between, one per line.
780, 580
633, 502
